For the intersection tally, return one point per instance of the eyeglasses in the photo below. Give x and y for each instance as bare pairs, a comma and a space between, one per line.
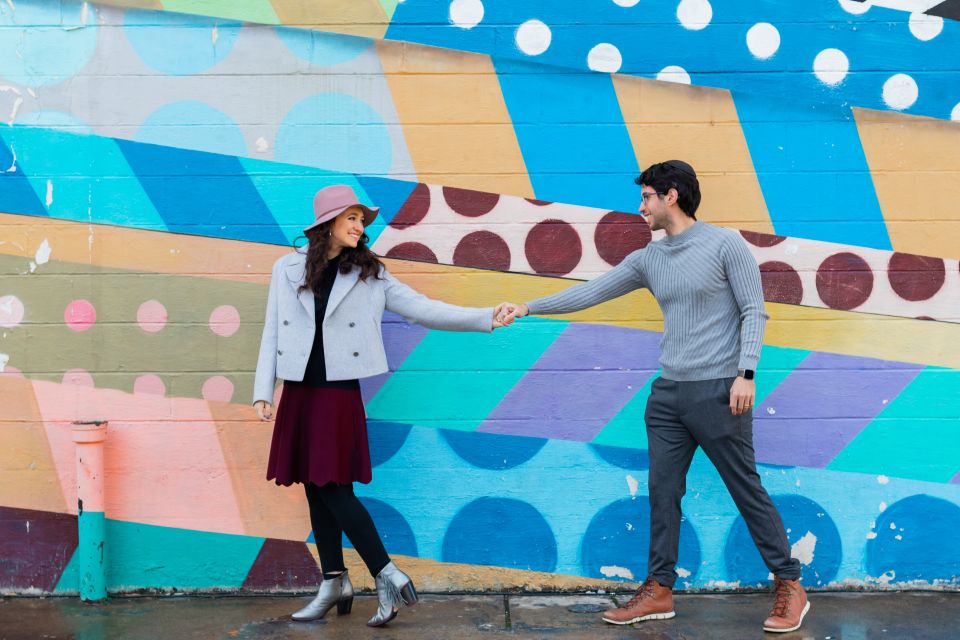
646, 196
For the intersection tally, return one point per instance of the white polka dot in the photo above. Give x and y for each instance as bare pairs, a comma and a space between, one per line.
694, 14
900, 91
605, 58
673, 73
533, 37
831, 66
955, 114
625, 3
763, 40
856, 8
466, 14
924, 27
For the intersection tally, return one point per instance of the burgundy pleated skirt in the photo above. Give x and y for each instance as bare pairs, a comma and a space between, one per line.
320, 436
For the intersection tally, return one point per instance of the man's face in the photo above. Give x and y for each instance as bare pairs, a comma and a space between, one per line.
652, 207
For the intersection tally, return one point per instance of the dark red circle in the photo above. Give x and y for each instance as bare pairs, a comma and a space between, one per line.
539, 203
414, 209
483, 249
412, 251
553, 248
916, 277
761, 239
470, 203
619, 234
781, 283
844, 281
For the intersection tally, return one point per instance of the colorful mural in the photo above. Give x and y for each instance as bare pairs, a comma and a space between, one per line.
157, 156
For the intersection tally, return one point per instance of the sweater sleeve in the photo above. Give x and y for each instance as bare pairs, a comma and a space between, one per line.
744, 276
622, 279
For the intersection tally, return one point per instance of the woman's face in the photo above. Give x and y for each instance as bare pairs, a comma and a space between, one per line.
347, 230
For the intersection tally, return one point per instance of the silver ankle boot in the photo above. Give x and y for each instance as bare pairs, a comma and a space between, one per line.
335, 591
393, 587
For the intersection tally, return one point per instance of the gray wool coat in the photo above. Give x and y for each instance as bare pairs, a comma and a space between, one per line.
352, 340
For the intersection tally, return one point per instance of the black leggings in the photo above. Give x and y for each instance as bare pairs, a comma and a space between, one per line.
335, 510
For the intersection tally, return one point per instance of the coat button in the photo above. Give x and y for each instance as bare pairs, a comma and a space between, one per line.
286, 322
353, 324
279, 353
355, 354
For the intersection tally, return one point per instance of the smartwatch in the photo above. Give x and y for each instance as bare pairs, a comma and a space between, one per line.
746, 374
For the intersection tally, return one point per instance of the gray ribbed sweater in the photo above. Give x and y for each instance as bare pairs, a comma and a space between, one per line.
708, 287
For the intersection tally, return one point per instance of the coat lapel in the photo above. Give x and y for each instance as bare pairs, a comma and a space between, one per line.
296, 274
341, 287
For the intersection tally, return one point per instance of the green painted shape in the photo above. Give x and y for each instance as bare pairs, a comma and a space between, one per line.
147, 556
91, 570
627, 428
389, 7
776, 363
454, 380
259, 11
917, 436
288, 190
90, 179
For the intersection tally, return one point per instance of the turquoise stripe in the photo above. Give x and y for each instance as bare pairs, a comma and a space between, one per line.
147, 556
454, 380
90, 180
289, 189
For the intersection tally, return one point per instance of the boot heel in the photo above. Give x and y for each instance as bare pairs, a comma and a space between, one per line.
344, 606
409, 594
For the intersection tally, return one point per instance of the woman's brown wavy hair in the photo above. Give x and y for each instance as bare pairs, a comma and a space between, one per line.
318, 241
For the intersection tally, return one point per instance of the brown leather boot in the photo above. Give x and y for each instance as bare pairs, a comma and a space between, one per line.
652, 601
789, 606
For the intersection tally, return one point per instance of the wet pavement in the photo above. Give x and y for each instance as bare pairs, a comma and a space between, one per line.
833, 616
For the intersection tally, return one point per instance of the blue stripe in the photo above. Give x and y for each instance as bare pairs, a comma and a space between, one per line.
16, 194
813, 172
202, 193
571, 132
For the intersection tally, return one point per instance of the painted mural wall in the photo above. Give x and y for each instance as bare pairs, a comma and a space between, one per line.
157, 156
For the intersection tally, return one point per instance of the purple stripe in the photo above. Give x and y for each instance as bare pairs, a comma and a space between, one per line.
819, 408
578, 385
955, 479
400, 338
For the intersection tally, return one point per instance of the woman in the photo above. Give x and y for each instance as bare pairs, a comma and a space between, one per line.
321, 334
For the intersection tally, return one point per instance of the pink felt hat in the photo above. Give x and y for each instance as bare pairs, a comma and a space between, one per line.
333, 200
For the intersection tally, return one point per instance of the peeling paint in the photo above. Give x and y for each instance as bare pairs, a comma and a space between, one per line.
871, 535
49, 198
4, 359
633, 484
613, 571
683, 573
43, 252
13, 161
803, 548
13, 112
883, 479
262, 145
883, 507
215, 35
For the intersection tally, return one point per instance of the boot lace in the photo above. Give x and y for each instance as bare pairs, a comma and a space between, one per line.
781, 600
645, 591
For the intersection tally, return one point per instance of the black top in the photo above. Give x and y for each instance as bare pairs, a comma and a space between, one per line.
316, 373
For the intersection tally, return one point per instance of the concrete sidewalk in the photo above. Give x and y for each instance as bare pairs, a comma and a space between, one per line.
833, 616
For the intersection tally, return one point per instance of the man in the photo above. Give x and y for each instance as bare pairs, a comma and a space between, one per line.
708, 286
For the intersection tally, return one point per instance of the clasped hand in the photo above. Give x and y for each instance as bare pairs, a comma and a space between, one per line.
506, 312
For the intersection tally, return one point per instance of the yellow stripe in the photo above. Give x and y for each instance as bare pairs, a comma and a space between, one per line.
353, 17
915, 164
456, 124
700, 125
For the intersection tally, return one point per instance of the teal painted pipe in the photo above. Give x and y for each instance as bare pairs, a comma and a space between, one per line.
91, 522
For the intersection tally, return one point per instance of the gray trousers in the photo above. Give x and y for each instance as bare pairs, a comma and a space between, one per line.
681, 416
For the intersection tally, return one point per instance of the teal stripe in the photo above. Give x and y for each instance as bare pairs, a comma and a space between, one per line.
917, 436
147, 556
454, 380
90, 555
289, 189
90, 179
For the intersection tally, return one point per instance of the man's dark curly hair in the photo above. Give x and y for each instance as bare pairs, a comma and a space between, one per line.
674, 174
